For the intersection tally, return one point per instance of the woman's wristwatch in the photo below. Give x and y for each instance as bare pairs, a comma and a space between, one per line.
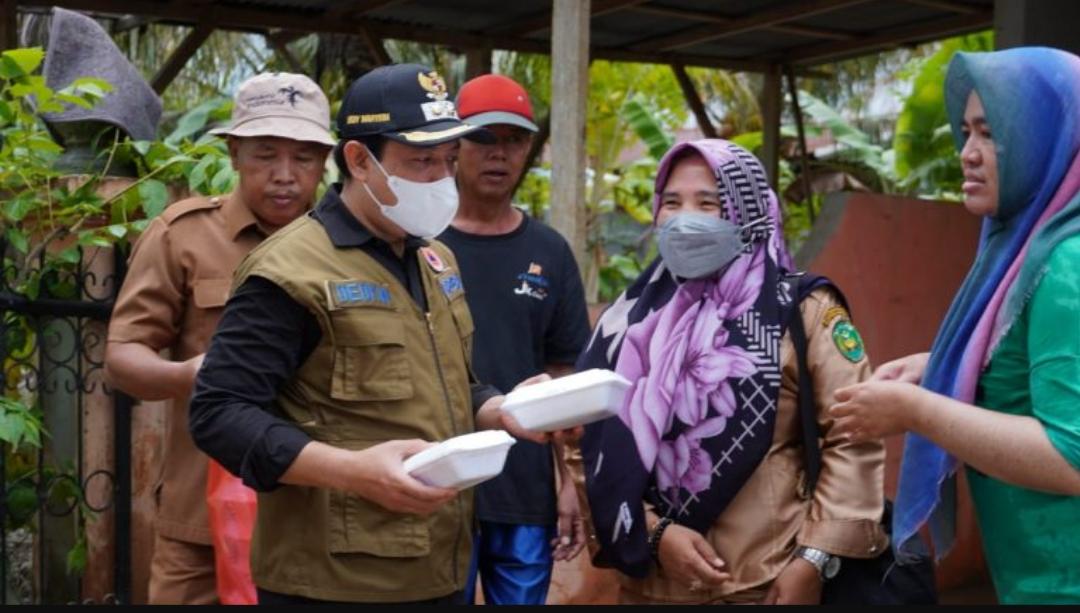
654, 538
827, 565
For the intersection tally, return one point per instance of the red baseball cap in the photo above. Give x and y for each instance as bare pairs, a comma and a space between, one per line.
494, 99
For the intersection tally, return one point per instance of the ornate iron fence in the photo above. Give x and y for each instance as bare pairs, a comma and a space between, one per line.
66, 508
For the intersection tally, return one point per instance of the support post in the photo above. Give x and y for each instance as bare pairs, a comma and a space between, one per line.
771, 98
804, 154
477, 62
569, 86
9, 24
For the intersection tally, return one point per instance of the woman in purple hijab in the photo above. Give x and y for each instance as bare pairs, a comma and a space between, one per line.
697, 491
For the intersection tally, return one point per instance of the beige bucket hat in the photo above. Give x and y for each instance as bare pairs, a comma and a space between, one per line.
280, 104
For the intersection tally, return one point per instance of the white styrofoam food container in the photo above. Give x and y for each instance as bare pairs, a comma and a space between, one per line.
573, 400
463, 461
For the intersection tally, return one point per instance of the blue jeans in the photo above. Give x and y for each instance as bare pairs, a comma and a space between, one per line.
514, 561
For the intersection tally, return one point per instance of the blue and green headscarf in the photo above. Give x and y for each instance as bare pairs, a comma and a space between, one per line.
1031, 96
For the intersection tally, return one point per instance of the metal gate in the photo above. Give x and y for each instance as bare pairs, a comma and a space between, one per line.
66, 507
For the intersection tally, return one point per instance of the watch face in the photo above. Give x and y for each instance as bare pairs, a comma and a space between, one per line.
832, 567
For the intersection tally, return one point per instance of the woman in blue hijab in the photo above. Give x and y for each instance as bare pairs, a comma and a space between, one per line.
1000, 388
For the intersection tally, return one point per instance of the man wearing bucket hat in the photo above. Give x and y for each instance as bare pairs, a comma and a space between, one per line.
527, 297
345, 349
177, 283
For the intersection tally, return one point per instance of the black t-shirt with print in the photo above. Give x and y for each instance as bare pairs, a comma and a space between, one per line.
524, 290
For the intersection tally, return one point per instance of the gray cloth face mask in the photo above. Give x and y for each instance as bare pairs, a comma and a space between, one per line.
698, 245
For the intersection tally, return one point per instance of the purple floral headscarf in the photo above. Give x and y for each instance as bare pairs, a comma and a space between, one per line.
703, 360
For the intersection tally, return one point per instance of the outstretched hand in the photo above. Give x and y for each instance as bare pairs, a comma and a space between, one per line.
379, 476
875, 409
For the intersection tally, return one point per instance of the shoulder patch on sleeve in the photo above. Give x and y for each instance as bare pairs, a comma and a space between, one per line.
848, 341
190, 205
834, 313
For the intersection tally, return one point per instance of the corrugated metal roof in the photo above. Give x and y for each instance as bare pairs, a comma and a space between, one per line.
746, 34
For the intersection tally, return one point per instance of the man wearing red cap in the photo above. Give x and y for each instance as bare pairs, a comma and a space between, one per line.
527, 300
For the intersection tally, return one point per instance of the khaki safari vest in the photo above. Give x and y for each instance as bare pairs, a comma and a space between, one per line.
384, 370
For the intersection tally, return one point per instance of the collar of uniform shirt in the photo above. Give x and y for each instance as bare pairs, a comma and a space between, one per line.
238, 217
344, 229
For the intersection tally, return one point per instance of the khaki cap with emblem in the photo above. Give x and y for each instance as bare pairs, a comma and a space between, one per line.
407, 103
280, 104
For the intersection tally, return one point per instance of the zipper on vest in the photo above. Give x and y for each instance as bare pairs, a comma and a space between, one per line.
453, 426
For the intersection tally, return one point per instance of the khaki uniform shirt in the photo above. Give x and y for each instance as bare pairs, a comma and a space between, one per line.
756, 535
178, 280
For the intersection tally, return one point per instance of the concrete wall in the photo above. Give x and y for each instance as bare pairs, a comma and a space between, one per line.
899, 262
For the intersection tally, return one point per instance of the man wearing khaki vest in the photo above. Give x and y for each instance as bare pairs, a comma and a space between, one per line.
177, 283
345, 349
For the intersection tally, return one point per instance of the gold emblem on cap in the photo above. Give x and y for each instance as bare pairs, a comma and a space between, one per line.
435, 87
433, 84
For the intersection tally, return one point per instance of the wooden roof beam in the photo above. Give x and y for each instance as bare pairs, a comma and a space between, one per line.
355, 8
282, 49
693, 99
285, 37
755, 21
180, 56
375, 46
945, 5
131, 22
250, 20
260, 21
542, 21
525, 45
810, 32
226, 17
926, 30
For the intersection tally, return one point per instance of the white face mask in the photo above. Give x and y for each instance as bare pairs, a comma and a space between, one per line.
423, 210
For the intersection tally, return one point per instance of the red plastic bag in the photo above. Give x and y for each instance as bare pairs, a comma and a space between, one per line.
231, 505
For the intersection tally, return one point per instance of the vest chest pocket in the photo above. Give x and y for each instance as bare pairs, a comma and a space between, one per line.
359, 526
210, 293
370, 358
463, 320
208, 297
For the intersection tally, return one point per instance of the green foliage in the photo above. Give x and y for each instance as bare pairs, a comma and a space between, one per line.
46, 219
632, 192
619, 272
19, 424
534, 193
730, 99
852, 143
37, 209
76, 557
643, 119
627, 103
532, 71
926, 161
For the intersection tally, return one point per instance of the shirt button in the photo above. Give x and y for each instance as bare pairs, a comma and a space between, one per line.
873, 549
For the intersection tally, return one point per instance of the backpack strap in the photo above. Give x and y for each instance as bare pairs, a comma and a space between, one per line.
805, 399
811, 434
